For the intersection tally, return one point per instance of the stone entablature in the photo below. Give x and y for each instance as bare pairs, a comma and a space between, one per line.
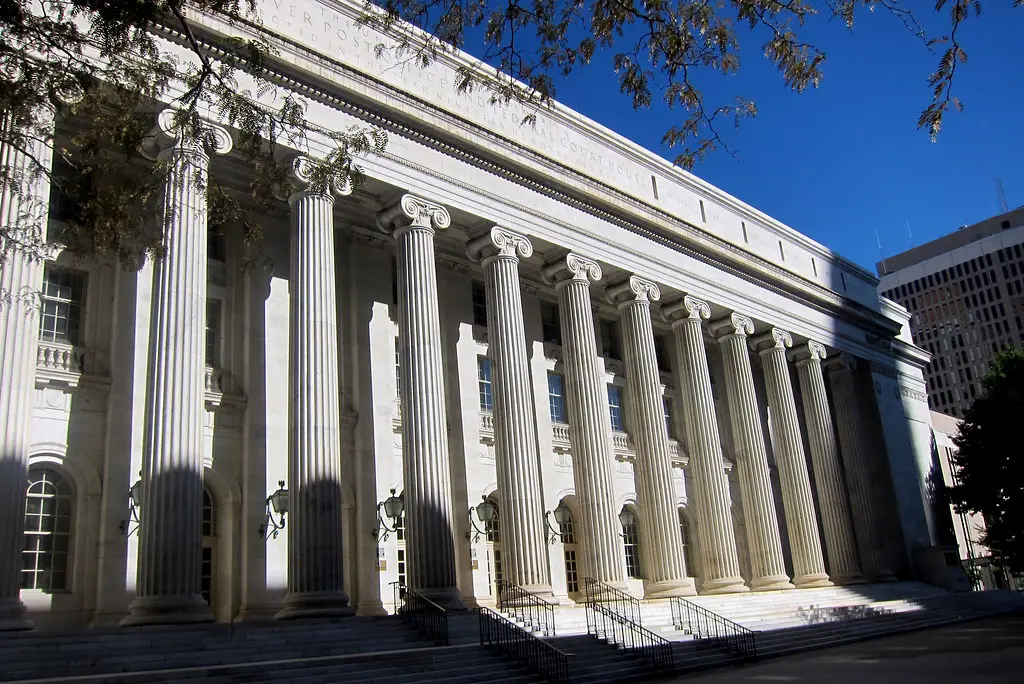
586, 160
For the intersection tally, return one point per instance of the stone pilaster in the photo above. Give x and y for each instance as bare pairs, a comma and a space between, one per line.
170, 535
315, 563
523, 537
797, 501
24, 209
430, 545
853, 436
711, 488
768, 567
590, 429
840, 544
661, 549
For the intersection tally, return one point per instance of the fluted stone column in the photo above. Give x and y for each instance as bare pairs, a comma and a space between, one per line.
523, 537
590, 429
170, 535
24, 209
661, 550
767, 564
315, 564
719, 561
853, 444
840, 544
797, 500
430, 542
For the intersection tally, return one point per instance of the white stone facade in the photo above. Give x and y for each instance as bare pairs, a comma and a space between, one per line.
539, 316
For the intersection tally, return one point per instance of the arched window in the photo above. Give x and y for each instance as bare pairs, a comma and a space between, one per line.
48, 511
631, 541
684, 532
491, 526
209, 531
567, 533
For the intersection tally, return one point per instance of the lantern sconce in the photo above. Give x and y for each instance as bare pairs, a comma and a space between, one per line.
626, 519
277, 505
562, 516
485, 510
393, 508
131, 525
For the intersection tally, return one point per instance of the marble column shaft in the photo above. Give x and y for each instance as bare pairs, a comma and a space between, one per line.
767, 564
170, 533
661, 545
840, 544
24, 207
853, 434
315, 563
719, 561
590, 429
787, 443
430, 540
523, 537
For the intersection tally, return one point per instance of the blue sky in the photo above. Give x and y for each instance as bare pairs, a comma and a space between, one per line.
841, 161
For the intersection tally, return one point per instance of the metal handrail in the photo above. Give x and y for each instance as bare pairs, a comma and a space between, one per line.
610, 616
416, 609
526, 607
705, 625
522, 646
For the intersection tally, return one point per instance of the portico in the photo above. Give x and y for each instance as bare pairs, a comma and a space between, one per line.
603, 337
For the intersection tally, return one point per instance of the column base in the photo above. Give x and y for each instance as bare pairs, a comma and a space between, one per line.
847, 580
178, 609
543, 591
448, 598
883, 576
772, 583
314, 604
371, 609
725, 585
669, 588
818, 580
12, 616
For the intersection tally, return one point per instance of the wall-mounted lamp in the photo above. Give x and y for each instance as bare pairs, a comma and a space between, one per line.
393, 507
485, 510
562, 516
131, 525
277, 504
626, 519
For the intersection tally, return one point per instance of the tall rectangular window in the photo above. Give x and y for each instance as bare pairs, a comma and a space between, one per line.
63, 296
550, 324
615, 408
213, 318
556, 398
632, 548
666, 404
661, 354
398, 369
484, 381
479, 304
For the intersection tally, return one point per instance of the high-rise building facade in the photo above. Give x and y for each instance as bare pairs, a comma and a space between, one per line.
965, 295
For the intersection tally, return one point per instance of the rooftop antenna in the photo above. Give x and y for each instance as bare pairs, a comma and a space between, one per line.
879, 241
911, 235
1001, 194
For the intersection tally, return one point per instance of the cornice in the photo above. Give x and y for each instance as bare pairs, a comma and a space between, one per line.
719, 253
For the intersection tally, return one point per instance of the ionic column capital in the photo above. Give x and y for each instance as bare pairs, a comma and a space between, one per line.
196, 137
774, 339
809, 352
572, 268
735, 325
687, 308
306, 175
841, 362
499, 242
633, 290
410, 212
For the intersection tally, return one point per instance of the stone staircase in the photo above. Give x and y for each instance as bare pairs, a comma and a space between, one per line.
364, 650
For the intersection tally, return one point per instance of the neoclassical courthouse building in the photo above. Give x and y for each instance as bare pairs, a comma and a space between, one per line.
561, 355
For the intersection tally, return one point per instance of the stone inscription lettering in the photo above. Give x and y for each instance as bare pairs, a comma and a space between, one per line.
338, 36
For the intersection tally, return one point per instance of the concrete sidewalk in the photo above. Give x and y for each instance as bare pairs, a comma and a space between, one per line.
989, 651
